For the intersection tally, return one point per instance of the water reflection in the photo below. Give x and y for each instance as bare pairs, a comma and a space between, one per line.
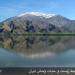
37, 46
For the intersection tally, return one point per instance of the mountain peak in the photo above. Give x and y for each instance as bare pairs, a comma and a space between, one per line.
46, 15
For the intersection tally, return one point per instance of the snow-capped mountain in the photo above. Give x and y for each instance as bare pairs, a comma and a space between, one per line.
37, 22
46, 15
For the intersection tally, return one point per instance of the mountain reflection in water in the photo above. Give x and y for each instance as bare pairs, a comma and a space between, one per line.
37, 47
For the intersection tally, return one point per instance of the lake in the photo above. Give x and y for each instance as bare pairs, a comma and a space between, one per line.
37, 51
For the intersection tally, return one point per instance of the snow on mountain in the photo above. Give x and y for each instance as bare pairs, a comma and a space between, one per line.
37, 14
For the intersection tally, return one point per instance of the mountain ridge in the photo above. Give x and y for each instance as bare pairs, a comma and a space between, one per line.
46, 15
37, 22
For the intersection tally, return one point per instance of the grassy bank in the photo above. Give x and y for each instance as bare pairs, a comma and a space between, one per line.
40, 34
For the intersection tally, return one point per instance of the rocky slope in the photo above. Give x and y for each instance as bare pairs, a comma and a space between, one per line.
37, 22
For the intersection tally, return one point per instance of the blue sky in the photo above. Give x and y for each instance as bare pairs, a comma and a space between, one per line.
9, 8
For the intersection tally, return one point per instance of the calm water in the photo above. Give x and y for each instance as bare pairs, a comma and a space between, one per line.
37, 51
